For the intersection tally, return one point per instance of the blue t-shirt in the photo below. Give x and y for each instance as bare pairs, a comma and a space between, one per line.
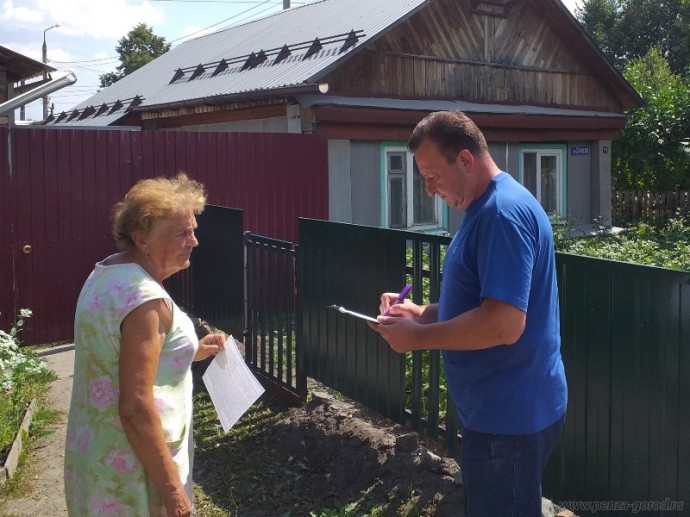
504, 250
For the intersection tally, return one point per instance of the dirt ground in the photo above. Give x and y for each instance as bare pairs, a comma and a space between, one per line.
325, 455
327, 451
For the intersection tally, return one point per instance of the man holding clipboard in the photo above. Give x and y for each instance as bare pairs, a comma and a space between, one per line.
496, 323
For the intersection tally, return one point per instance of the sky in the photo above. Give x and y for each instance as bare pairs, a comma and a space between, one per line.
89, 31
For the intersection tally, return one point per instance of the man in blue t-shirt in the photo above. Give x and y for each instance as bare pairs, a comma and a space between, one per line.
497, 320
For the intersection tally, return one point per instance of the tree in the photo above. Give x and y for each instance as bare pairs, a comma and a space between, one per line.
599, 18
654, 149
627, 29
139, 47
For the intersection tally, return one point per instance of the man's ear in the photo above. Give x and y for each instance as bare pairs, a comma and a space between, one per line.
465, 158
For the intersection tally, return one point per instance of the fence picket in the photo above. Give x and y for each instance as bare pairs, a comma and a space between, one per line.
632, 206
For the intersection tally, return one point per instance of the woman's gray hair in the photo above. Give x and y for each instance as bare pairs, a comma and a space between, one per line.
151, 200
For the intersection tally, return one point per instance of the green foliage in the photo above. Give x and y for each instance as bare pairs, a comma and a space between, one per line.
23, 376
640, 244
626, 29
653, 152
649, 42
139, 47
600, 18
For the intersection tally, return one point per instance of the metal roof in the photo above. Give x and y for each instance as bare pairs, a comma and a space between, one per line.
20, 67
287, 50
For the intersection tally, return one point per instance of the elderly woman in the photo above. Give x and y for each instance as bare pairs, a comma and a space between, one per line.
129, 442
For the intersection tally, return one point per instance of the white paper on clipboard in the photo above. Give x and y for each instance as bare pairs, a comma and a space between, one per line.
353, 313
231, 385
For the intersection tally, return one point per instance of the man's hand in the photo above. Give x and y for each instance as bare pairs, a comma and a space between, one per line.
407, 309
399, 332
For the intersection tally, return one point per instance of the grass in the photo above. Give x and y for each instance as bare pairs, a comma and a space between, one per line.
13, 406
42, 425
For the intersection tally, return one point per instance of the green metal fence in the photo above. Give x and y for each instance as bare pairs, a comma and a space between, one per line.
350, 266
212, 287
625, 341
626, 347
271, 324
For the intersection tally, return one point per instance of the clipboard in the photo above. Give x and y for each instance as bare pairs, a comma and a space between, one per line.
352, 313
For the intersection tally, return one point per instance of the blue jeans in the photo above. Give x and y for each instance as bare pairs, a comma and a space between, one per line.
501, 474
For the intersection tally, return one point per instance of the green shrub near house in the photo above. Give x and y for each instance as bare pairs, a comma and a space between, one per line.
642, 243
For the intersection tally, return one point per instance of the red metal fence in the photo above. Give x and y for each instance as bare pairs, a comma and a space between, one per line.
57, 188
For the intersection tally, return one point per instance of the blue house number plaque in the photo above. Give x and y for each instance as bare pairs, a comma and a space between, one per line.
580, 150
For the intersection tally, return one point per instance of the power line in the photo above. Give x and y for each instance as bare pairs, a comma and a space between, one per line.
85, 60
222, 21
257, 13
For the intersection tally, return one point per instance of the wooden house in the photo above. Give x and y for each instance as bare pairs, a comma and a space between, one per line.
362, 73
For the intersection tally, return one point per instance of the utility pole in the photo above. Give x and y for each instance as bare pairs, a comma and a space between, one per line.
286, 4
22, 110
45, 72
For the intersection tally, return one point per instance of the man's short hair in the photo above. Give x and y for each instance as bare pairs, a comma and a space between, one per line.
451, 131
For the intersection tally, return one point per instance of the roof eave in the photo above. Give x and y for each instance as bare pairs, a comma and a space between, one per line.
230, 97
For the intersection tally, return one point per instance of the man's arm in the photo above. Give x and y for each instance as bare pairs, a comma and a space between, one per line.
491, 324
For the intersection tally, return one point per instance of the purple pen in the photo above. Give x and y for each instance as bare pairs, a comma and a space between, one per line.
405, 291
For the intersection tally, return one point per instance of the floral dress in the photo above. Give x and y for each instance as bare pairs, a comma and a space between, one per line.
103, 476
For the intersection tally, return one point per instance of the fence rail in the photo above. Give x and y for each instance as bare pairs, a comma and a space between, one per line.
631, 206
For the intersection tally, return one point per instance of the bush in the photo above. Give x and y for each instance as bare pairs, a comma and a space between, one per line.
639, 244
23, 376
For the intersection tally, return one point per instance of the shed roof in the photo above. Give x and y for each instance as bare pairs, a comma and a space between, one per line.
20, 67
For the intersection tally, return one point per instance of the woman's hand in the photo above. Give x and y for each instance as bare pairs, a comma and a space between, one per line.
177, 504
210, 345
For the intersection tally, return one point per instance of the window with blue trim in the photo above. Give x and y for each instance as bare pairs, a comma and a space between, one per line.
542, 174
408, 206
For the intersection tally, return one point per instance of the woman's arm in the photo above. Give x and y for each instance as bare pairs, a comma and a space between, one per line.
143, 332
209, 345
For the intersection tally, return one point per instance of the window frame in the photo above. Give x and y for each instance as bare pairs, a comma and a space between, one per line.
441, 213
560, 151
